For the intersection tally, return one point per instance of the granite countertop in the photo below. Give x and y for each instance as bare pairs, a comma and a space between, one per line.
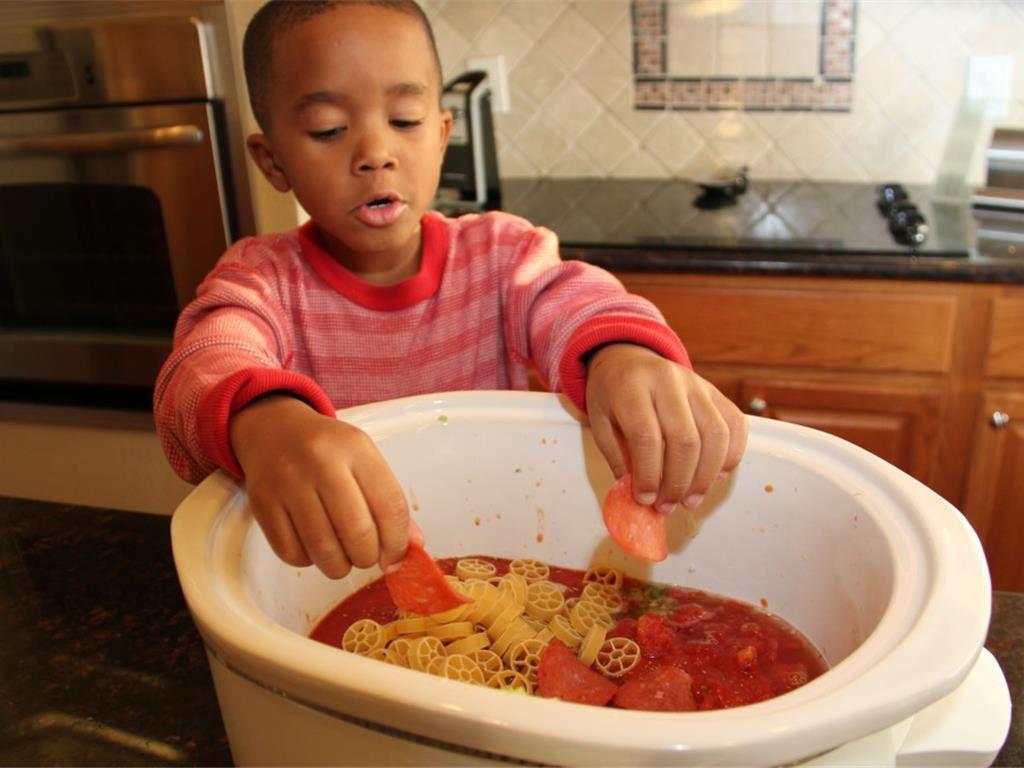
100, 663
774, 227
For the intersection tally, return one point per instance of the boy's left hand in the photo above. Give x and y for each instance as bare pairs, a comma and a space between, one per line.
671, 428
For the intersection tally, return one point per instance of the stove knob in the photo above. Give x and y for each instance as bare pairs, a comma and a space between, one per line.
907, 224
891, 193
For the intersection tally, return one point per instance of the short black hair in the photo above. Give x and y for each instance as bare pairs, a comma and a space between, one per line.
276, 16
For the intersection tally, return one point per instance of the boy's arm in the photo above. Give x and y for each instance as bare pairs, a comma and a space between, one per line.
229, 349
319, 488
613, 354
558, 313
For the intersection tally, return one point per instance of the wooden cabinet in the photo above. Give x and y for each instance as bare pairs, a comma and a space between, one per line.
912, 371
995, 490
896, 423
866, 361
994, 497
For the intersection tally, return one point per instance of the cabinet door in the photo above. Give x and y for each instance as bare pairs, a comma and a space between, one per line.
895, 423
995, 486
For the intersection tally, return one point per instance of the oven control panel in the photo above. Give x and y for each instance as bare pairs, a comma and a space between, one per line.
100, 62
35, 76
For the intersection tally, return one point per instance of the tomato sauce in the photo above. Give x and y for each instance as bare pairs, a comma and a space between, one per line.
734, 653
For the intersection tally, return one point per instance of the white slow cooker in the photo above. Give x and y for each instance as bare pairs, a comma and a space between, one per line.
884, 576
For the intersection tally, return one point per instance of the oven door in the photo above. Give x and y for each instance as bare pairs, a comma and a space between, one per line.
109, 219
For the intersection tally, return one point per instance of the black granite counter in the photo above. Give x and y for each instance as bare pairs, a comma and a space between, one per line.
100, 663
774, 227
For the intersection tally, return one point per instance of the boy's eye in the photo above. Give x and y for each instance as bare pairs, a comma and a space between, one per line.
329, 133
406, 123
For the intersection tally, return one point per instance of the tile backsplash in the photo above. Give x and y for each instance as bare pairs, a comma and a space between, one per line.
576, 78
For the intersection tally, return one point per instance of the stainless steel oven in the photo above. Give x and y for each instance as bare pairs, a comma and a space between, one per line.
119, 188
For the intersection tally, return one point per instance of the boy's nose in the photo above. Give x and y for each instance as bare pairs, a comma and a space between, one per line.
372, 154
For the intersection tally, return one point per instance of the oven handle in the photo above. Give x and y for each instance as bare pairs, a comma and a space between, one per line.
103, 141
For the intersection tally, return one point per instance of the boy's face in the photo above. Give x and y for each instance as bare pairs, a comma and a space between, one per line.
356, 131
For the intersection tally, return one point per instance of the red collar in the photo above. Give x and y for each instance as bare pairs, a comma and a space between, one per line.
381, 297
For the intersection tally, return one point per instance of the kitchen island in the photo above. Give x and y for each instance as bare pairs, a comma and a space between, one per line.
102, 665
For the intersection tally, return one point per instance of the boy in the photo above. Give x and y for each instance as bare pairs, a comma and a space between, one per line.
377, 297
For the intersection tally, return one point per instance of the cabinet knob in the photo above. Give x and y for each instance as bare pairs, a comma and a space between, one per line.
757, 405
999, 419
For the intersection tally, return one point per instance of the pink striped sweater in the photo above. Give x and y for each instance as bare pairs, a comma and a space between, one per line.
492, 297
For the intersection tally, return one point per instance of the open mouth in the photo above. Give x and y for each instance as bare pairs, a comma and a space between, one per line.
380, 211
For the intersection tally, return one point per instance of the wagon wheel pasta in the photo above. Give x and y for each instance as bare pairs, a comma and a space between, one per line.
607, 597
397, 651
487, 660
544, 600
516, 584
424, 650
364, 637
531, 570
412, 627
603, 574
591, 644
563, 629
586, 613
509, 680
457, 667
518, 630
617, 656
467, 645
474, 568
524, 657
503, 620
455, 630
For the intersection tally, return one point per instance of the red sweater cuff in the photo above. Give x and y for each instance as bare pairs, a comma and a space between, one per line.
572, 371
238, 390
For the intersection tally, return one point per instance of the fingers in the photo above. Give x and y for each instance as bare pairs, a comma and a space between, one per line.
606, 437
677, 435
638, 421
682, 452
387, 510
709, 447
738, 426
277, 527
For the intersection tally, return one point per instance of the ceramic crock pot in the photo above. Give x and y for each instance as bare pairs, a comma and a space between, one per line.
882, 575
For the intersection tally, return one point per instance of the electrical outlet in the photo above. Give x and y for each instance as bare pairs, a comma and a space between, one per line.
990, 79
494, 66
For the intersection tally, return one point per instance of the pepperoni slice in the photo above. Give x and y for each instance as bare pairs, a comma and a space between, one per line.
561, 675
419, 586
638, 528
661, 689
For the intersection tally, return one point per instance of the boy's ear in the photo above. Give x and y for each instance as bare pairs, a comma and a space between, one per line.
446, 131
262, 152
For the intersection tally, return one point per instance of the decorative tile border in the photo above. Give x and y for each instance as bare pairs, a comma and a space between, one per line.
828, 90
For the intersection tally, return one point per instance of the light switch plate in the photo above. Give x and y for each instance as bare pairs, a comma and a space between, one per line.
990, 79
496, 76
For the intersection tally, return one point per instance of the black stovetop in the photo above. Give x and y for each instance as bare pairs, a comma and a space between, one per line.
770, 216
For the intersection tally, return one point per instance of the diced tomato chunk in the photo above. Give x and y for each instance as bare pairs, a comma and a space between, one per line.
688, 614
625, 627
561, 675
419, 586
746, 658
662, 688
654, 636
638, 528
786, 677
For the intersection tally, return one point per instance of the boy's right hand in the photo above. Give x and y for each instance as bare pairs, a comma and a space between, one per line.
319, 488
